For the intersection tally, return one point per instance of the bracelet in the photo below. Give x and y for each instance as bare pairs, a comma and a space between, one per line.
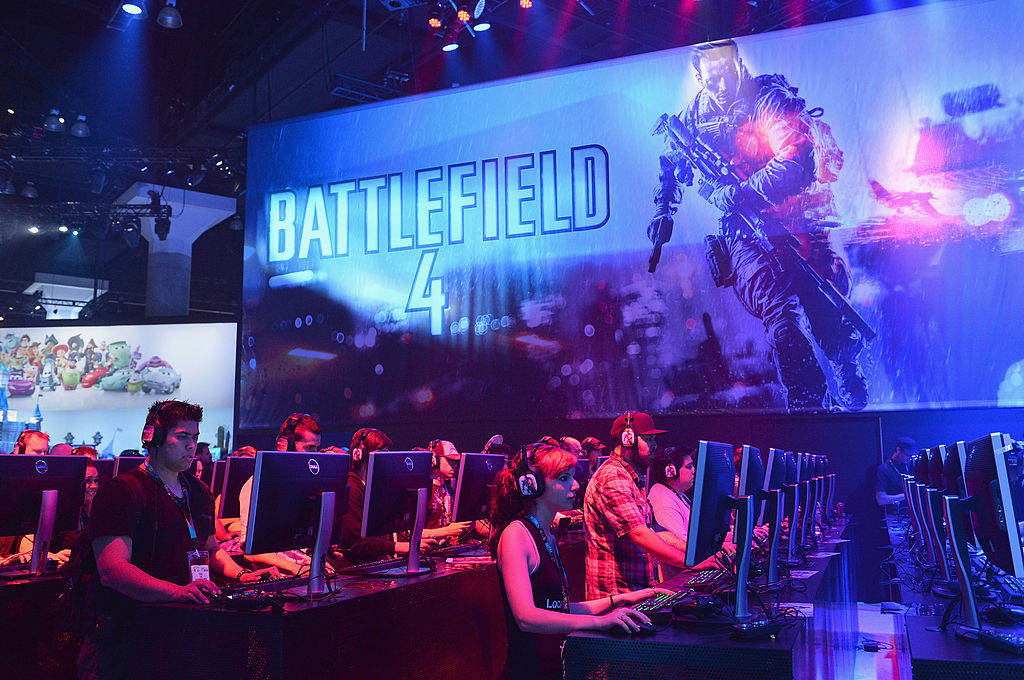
611, 598
238, 577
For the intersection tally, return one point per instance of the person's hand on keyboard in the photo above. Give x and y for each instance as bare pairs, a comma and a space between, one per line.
630, 599
270, 573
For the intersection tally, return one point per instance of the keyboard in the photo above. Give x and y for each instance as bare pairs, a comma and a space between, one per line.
1002, 641
705, 579
661, 601
272, 585
1011, 590
20, 570
458, 549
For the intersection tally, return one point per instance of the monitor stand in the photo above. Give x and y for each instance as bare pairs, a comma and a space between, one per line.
413, 567
774, 529
325, 524
955, 509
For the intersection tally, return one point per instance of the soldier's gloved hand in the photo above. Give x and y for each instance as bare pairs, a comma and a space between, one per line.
660, 228
726, 197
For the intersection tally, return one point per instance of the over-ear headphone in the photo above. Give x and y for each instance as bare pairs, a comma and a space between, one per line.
435, 462
20, 447
671, 471
358, 441
286, 435
628, 436
154, 434
528, 478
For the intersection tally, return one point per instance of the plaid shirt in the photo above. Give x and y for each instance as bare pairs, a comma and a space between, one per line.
614, 505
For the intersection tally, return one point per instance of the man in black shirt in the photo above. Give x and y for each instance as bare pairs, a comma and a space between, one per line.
150, 531
889, 487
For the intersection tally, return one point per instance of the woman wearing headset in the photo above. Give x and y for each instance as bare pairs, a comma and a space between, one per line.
538, 483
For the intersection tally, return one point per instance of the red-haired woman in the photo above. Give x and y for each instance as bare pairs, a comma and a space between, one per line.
535, 587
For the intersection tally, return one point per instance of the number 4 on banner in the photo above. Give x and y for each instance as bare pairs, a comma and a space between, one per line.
426, 294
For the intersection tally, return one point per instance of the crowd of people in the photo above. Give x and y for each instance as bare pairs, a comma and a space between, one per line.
153, 534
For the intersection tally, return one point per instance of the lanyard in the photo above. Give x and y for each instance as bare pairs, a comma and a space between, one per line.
180, 503
552, 548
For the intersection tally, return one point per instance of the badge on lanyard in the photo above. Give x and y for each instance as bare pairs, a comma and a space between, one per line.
199, 564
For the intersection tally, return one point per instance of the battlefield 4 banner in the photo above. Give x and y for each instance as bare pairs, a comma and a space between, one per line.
819, 219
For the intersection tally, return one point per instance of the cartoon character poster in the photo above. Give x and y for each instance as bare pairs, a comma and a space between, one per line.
836, 210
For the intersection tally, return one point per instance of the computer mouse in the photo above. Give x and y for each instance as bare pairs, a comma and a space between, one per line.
646, 630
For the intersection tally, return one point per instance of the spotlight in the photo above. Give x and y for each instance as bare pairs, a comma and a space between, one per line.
526, 4
478, 10
74, 232
434, 21
162, 227
450, 45
482, 26
462, 14
53, 122
79, 128
169, 16
235, 223
30, 191
97, 179
62, 229
196, 175
136, 9
33, 230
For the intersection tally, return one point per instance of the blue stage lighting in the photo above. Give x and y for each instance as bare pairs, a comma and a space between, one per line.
133, 8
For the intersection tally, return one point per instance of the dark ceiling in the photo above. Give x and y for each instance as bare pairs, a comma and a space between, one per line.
159, 100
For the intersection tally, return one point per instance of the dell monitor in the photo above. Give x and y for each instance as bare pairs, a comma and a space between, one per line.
953, 471
217, 483
123, 464
105, 466
792, 472
710, 511
397, 485
236, 473
992, 479
751, 477
920, 467
774, 463
474, 485
298, 501
40, 495
934, 456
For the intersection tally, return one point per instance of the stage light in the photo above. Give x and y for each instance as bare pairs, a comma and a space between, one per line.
462, 14
62, 229
169, 16
478, 10
10, 111
434, 21
135, 9
29, 190
79, 128
450, 45
74, 232
196, 175
33, 230
97, 179
482, 26
53, 122
526, 4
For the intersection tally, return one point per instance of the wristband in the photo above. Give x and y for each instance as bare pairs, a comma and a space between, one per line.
242, 573
611, 598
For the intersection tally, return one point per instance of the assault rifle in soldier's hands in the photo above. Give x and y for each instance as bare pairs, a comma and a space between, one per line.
716, 171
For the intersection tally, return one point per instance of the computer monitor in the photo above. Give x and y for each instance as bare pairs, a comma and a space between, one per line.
935, 479
237, 471
474, 484
40, 495
774, 478
710, 513
920, 467
792, 472
992, 478
105, 467
217, 483
291, 508
953, 471
123, 464
397, 484
751, 477
601, 460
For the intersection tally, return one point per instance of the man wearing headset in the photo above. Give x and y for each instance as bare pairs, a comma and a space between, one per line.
621, 545
33, 443
150, 539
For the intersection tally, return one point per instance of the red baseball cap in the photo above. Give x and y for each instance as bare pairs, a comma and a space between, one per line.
642, 424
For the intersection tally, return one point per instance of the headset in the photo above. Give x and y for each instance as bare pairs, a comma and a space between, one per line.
671, 471
529, 479
21, 445
358, 441
435, 461
286, 435
154, 434
628, 436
